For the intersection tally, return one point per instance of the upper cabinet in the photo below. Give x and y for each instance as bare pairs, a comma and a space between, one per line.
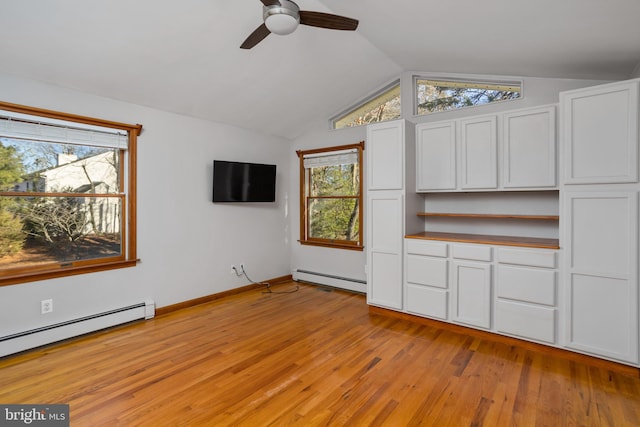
600, 134
478, 153
529, 148
385, 155
436, 156
473, 155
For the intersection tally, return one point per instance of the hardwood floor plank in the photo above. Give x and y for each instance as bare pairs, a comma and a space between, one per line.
312, 358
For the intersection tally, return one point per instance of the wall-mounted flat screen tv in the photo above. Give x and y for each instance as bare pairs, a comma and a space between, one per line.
243, 182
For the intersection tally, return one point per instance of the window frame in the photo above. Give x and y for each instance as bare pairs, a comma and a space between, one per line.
360, 104
127, 193
464, 80
304, 217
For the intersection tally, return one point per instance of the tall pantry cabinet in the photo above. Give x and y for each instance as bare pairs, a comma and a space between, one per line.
599, 220
390, 194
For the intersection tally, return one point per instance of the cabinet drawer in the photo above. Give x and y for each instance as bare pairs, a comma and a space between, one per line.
428, 271
526, 321
533, 258
425, 247
427, 301
526, 284
474, 252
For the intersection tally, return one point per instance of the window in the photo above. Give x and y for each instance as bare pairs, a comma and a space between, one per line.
434, 95
331, 196
381, 106
67, 194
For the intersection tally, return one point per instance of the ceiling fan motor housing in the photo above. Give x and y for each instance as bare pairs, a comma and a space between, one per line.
281, 19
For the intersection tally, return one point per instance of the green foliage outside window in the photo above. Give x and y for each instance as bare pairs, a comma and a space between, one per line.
11, 236
330, 217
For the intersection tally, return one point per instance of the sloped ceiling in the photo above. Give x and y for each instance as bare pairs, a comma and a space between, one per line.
184, 57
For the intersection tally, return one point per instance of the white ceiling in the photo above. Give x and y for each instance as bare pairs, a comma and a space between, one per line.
183, 56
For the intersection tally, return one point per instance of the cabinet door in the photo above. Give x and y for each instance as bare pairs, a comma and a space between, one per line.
601, 267
472, 293
479, 153
384, 253
436, 156
529, 154
385, 156
600, 134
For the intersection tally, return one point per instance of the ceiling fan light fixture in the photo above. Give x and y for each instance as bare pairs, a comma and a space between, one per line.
283, 18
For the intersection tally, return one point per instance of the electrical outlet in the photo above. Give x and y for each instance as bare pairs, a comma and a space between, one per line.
46, 306
233, 269
242, 266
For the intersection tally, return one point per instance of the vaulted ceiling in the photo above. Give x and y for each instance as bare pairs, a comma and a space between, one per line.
184, 57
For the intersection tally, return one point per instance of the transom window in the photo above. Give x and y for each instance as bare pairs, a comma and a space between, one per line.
331, 196
434, 95
381, 106
67, 194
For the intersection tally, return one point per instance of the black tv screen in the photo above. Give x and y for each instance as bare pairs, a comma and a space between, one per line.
243, 182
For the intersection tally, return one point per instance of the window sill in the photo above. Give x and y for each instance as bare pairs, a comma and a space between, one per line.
63, 272
350, 247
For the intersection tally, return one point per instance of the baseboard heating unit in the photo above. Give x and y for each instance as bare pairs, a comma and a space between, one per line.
330, 280
37, 337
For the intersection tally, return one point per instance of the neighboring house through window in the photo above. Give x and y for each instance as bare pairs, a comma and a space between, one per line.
67, 194
331, 196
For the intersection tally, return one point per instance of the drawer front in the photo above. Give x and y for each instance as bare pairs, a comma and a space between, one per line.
425, 247
474, 252
526, 321
533, 258
427, 271
426, 301
526, 284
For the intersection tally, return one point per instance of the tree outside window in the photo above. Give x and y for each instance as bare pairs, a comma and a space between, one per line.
331, 196
442, 95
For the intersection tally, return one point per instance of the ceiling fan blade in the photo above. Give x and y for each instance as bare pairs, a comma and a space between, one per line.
256, 37
327, 20
270, 2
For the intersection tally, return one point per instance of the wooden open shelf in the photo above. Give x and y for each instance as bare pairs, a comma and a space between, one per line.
527, 242
490, 216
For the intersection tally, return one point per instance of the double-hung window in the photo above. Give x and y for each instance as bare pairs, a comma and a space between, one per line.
67, 194
331, 196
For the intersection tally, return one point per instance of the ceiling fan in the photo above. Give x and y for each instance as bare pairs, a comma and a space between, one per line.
283, 16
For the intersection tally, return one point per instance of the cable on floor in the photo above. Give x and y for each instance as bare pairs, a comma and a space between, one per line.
267, 284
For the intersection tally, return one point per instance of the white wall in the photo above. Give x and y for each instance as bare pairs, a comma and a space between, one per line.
186, 243
537, 91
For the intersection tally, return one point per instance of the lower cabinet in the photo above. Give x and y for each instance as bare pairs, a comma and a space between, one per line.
427, 278
526, 294
472, 293
507, 290
384, 257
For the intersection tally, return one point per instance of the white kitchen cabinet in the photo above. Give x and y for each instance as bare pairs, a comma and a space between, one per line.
529, 148
427, 278
384, 217
385, 210
600, 134
526, 294
478, 153
471, 286
601, 272
384, 149
472, 155
436, 156
599, 220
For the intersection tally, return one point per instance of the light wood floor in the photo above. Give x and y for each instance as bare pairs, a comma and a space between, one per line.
312, 358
